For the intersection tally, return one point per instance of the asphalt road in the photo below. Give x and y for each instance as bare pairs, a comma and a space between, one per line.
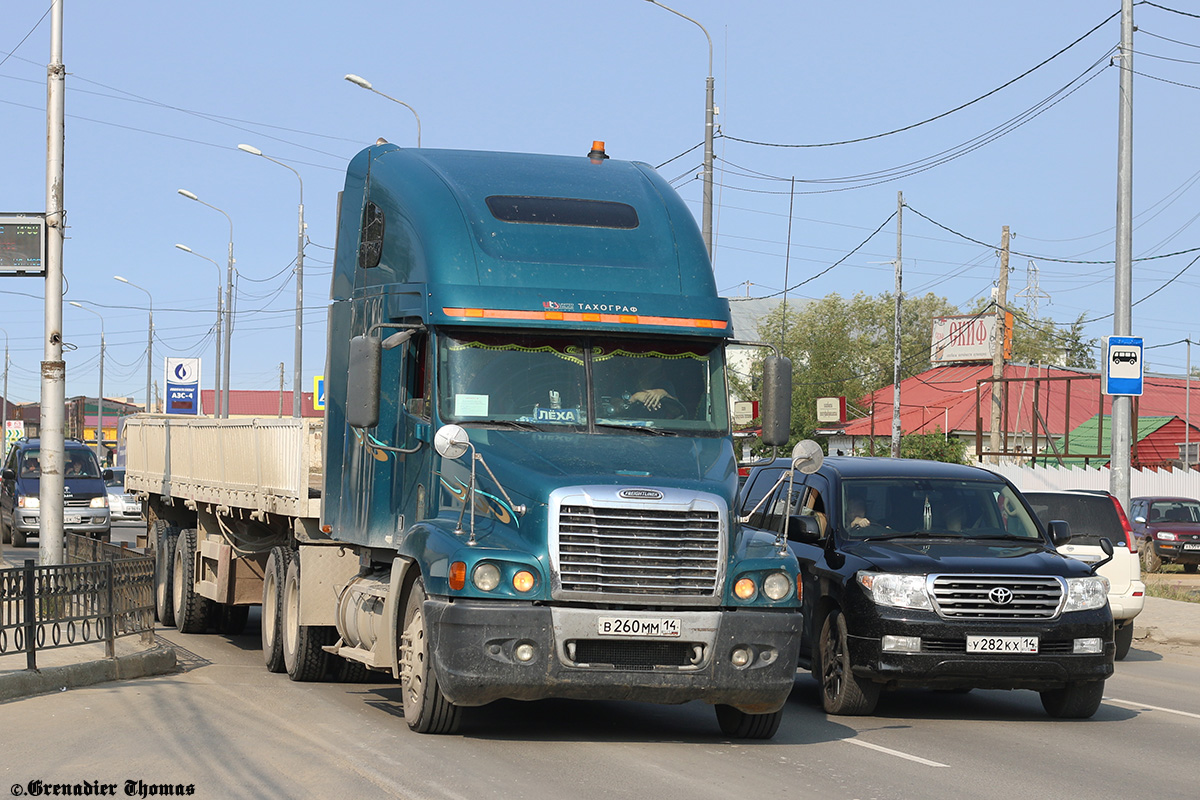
230, 729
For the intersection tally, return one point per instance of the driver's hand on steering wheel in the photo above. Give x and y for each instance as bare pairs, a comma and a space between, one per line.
650, 398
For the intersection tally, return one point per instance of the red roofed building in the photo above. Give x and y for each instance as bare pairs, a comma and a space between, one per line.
260, 404
943, 400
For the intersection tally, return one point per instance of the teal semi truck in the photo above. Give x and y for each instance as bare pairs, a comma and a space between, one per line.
524, 481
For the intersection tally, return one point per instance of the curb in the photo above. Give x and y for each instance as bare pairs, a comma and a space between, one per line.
154, 661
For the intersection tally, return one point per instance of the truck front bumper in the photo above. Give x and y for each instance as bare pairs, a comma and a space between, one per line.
485, 651
942, 659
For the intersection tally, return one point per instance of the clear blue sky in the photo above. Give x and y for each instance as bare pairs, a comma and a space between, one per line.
159, 95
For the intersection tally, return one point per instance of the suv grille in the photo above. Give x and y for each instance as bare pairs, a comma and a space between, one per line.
639, 551
997, 596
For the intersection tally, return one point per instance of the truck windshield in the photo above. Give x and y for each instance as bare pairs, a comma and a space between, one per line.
584, 382
888, 507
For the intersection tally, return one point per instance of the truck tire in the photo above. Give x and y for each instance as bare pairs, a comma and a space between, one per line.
738, 724
1150, 560
272, 607
1076, 700
165, 537
841, 692
426, 709
192, 611
347, 670
1124, 639
303, 657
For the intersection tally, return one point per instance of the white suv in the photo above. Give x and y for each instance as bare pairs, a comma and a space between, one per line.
1094, 514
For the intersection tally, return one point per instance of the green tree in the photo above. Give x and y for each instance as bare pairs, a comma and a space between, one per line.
929, 446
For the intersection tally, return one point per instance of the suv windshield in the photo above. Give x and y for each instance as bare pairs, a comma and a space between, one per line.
884, 507
1091, 516
1174, 511
79, 464
584, 382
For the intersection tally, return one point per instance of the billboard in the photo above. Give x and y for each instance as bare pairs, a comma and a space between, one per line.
22, 244
969, 337
183, 386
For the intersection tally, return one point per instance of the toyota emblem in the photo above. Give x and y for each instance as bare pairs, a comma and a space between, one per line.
1000, 596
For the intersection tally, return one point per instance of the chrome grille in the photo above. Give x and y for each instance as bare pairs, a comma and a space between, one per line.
972, 597
651, 550
78, 502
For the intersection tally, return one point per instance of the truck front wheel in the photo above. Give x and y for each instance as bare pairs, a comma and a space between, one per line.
738, 724
426, 709
272, 607
303, 657
841, 692
1076, 700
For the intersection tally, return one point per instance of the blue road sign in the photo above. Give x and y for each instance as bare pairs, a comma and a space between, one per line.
1123, 371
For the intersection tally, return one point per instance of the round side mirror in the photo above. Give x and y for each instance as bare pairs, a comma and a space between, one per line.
451, 441
807, 456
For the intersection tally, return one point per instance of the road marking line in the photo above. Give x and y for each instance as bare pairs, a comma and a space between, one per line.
1152, 708
895, 753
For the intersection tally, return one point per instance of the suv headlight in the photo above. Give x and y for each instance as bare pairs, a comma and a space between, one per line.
100, 502
1084, 594
1166, 536
29, 501
898, 591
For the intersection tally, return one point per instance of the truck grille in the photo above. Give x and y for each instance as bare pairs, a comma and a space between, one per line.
997, 596
636, 655
639, 552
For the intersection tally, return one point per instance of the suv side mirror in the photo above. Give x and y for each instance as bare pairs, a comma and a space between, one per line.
1140, 520
107, 475
804, 528
8, 475
1106, 545
1060, 532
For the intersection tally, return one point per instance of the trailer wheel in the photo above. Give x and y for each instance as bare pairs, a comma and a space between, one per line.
842, 692
272, 607
347, 670
426, 709
164, 555
303, 657
738, 724
192, 611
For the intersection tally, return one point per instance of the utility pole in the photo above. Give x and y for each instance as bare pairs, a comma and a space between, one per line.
896, 333
1122, 405
54, 371
998, 346
281, 388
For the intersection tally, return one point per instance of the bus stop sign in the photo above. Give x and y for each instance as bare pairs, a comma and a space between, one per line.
1123, 371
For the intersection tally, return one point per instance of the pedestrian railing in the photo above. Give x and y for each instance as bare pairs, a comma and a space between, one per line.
101, 593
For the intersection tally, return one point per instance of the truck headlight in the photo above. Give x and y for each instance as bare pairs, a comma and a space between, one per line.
485, 576
777, 586
898, 591
1084, 594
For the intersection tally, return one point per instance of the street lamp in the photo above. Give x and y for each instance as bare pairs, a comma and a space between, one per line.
4, 404
299, 347
217, 369
706, 216
228, 303
366, 84
100, 391
149, 340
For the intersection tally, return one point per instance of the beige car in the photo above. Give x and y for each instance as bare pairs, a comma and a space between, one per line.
1092, 515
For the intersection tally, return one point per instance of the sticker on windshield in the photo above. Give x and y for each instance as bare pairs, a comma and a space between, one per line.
566, 416
470, 405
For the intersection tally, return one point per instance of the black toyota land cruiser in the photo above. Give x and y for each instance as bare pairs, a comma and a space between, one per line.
920, 573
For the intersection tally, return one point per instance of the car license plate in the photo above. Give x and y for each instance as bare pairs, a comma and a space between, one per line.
1002, 644
72, 519
638, 626
1192, 546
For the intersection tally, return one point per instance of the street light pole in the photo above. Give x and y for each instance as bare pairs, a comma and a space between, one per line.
100, 391
149, 342
217, 338
4, 405
366, 84
297, 372
228, 302
706, 213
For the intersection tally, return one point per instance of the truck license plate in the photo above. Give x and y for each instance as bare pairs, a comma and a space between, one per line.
72, 519
638, 626
1002, 644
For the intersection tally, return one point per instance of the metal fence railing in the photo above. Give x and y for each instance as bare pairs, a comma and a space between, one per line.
101, 593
